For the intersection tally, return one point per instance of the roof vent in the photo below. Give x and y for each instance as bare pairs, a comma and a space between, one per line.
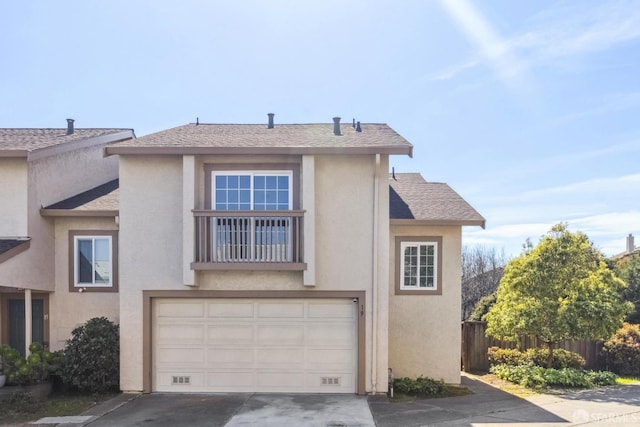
630, 243
358, 128
336, 126
270, 126
70, 126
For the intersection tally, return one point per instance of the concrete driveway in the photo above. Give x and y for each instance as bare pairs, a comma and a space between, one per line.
487, 406
282, 410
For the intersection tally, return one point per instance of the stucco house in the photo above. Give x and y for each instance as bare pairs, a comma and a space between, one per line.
263, 257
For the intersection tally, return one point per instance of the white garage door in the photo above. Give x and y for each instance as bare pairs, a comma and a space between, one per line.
254, 345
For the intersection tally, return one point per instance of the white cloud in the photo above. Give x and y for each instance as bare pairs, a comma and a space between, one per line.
566, 32
495, 51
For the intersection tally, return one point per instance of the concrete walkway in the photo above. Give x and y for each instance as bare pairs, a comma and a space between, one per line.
490, 406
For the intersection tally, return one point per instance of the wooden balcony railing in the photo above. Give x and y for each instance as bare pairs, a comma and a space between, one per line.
250, 240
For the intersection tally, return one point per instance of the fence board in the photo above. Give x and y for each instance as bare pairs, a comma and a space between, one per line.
475, 345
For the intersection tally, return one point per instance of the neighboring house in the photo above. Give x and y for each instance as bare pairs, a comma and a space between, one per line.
39, 167
268, 258
630, 248
479, 286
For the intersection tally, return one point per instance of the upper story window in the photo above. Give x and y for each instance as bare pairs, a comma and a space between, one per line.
260, 191
93, 261
418, 265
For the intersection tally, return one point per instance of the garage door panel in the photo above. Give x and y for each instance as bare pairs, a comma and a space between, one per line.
230, 357
180, 309
280, 380
230, 380
180, 381
180, 334
231, 309
254, 345
331, 310
280, 335
292, 358
181, 356
284, 310
230, 334
330, 334
334, 359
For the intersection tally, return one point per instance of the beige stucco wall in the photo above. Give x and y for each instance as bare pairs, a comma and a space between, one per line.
71, 309
424, 331
51, 179
151, 215
13, 193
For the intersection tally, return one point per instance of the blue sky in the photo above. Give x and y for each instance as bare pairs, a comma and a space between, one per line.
529, 109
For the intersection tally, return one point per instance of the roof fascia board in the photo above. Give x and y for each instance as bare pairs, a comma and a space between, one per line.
133, 150
78, 213
81, 143
14, 153
439, 222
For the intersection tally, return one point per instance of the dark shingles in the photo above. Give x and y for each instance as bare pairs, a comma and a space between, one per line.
8, 244
411, 197
103, 197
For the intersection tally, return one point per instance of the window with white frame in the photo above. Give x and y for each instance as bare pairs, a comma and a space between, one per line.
93, 263
261, 191
418, 263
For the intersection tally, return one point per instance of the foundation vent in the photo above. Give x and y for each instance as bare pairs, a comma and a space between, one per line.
330, 380
181, 380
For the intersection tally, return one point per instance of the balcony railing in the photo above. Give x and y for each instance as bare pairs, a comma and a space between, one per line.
232, 240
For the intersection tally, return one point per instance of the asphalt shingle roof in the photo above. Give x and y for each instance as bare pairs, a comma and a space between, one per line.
102, 198
28, 140
411, 197
258, 136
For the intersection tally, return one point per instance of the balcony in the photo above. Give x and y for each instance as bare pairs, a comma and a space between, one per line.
248, 240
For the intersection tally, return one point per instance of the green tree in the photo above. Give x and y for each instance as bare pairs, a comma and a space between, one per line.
560, 289
628, 268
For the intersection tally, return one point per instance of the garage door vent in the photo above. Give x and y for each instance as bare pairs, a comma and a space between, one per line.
181, 380
330, 380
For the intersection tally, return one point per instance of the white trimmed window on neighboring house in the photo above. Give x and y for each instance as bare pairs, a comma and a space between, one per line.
93, 261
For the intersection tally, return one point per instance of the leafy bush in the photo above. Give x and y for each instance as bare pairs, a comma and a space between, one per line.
92, 357
33, 369
421, 386
535, 356
538, 377
506, 356
561, 358
622, 351
482, 307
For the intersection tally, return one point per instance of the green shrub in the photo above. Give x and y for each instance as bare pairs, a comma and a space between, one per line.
421, 386
33, 369
506, 356
539, 377
535, 356
482, 307
561, 358
92, 357
622, 351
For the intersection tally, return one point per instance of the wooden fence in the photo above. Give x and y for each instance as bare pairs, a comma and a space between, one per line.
475, 345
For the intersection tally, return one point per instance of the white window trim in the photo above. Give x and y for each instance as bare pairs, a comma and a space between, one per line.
251, 173
406, 244
78, 284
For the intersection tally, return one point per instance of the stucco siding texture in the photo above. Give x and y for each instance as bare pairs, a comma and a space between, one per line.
424, 331
150, 247
13, 197
71, 309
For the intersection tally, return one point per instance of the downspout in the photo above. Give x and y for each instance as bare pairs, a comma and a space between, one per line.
374, 284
